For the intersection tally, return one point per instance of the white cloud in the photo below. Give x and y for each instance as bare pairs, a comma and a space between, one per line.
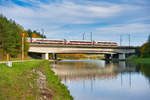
30, 1
136, 1
140, 19
66, 12
126, 28
53, 15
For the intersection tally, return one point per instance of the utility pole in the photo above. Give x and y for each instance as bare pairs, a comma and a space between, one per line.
91, 37
129, 39
42, 31
83, 35
120, 40
22, 47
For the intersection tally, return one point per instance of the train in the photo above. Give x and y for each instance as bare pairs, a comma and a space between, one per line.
71, 42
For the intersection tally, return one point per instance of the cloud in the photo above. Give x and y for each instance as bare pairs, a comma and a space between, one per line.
126, 28
82, 16
136, 1
66, 12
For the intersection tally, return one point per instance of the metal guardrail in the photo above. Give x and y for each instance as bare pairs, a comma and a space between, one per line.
8, 63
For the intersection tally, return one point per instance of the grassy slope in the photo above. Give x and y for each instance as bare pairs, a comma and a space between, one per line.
19, 82
140, 60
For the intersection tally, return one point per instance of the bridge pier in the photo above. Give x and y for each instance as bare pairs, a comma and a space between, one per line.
111, 56
107, 57
45, 56
122, 56
54, 57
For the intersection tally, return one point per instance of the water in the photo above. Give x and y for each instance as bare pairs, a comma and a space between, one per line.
98, 80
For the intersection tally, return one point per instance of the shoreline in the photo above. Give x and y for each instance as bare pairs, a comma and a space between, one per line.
139, 60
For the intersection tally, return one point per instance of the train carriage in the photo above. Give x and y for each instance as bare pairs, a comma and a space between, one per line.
105, 43
52, 41
71, 42
79, 42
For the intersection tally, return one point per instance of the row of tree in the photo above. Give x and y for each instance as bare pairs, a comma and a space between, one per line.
35, 34
145, 49
10, 37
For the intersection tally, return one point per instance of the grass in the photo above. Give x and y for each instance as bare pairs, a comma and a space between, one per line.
19, 82
140, 60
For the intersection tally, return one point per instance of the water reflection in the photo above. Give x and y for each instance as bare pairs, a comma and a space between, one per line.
78, 70
145, 69
98, 80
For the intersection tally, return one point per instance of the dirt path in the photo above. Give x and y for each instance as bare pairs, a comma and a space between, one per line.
45, 93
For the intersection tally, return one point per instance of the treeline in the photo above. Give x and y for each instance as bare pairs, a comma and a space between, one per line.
10, 38
35, 34
145, 49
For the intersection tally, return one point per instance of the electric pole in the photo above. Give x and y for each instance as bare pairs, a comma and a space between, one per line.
120, 40
129, 39
42, 32
83, 35
91, 37
22, 46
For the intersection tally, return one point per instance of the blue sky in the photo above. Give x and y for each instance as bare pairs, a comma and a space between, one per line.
69, 19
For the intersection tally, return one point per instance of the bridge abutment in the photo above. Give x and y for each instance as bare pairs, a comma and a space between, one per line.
107, 57
54, 57
45, 56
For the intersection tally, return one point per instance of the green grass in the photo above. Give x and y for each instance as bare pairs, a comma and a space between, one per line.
140, 60
19, 82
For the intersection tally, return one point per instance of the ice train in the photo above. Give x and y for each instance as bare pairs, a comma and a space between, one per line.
71, 42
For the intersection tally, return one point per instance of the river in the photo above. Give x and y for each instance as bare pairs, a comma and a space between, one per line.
98, 80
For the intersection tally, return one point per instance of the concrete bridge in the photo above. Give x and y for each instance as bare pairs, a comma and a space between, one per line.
109, 52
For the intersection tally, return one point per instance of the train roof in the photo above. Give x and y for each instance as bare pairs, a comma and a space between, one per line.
70, 40
106, 41
51, 39
80, 40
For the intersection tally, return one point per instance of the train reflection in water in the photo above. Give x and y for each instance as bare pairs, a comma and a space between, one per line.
98, 80
78, 70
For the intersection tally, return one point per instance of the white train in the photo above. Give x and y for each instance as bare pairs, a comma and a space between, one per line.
71, 42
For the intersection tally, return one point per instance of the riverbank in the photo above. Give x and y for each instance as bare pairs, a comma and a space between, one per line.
140, 60
31, 80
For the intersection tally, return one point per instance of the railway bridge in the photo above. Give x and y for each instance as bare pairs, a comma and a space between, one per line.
109, 52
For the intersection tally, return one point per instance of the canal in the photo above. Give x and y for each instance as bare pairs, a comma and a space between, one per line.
98, 80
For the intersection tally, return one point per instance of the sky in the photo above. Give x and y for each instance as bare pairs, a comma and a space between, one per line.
108, 20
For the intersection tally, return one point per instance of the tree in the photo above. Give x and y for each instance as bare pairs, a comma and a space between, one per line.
35, 34
10, 37
145, 49
30, 34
